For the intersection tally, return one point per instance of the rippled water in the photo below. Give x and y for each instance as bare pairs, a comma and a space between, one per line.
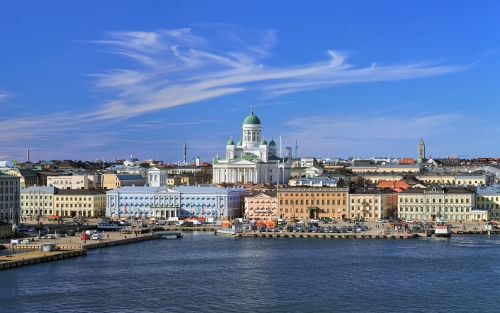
208, 273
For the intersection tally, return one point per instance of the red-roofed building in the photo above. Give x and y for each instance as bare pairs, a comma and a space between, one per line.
397, 186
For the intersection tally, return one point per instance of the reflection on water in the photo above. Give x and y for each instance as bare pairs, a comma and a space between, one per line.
208, 273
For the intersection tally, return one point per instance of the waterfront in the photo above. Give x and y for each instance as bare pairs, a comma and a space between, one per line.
208, 273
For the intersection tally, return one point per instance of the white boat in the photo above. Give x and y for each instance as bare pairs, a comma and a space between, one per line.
107, 224
442, 229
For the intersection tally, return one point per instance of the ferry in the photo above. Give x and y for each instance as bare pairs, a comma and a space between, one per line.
442, 229
107, 224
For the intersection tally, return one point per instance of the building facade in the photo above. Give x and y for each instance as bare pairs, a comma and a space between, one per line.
80, 203
262, 205
37, 201
488, 198
433, 202
176, 202
252, 159
372, 204
113, 181
10, 189
307, 202
84, 181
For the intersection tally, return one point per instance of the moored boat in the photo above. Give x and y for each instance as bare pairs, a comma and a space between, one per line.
107, 224
442, 229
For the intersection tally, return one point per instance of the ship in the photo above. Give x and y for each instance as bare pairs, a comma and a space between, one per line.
442, 229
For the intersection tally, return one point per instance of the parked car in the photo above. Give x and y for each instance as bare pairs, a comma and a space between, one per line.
381, 221
96, 237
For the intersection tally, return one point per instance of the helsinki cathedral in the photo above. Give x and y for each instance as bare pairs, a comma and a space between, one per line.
252, 159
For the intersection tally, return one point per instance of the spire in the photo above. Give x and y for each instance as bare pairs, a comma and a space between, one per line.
251, 109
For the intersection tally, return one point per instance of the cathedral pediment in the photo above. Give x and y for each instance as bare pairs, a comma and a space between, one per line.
241, 162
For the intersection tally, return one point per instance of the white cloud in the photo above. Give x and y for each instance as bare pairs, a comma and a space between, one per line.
181, 67
184, 66
4, 95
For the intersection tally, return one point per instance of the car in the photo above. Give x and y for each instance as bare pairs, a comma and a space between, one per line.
96, 237
380, 221
52, 237
334, 221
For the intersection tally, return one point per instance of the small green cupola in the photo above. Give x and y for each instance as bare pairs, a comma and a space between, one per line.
240, 143
263, 142
272, 143
230, 142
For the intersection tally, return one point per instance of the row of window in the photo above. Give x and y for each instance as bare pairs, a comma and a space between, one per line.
328, 194
7, 183
317, 202
36, 197
433, 209
433, 200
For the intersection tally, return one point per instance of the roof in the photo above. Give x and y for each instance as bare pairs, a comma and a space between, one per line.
129, 176
207, 189
82, 192
251, 119
272, 194
45, 189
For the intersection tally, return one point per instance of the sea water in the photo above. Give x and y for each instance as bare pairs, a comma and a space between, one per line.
203, 272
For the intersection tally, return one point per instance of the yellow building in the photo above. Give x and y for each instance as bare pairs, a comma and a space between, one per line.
488, 198
113, 181
306, 202
80, 203
372, 204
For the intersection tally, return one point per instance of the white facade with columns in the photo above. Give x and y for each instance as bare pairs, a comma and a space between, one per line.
252, 159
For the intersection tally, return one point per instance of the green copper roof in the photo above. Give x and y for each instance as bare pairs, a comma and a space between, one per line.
240, 143
251, 119
263, 142
230, 142
272, 143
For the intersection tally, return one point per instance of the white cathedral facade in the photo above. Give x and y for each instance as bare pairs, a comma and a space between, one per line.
252, 159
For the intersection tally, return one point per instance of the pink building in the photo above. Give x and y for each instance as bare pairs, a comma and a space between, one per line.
262, 205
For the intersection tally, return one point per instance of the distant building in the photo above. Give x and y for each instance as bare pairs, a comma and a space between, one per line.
181, 201
84, 181
304, 202
421, 151
252, 159
433, 202
10, 189
488, 198
113, 181
372, 204
262, 205
80, 203
38, 201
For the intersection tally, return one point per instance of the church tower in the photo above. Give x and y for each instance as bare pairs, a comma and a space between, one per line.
421, 151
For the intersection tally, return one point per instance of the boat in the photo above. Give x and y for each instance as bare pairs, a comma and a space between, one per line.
169, 235
107, 224
442, 229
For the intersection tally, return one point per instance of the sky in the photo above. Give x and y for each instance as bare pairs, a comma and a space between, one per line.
108, 79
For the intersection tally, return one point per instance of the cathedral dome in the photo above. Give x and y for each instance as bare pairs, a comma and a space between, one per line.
251, 119
263, 142
230, 142
272, 143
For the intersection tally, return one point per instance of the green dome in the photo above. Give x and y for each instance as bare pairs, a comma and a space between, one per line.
230, 142
251, 119
272, 143
240, 143
263, 142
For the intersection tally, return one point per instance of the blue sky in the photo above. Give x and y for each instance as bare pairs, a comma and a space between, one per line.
105, 79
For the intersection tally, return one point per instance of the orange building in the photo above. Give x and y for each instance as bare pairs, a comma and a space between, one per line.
306, 202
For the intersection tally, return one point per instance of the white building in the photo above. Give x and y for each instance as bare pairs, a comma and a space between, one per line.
172, 203
157, 177
252, 159
209, 201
